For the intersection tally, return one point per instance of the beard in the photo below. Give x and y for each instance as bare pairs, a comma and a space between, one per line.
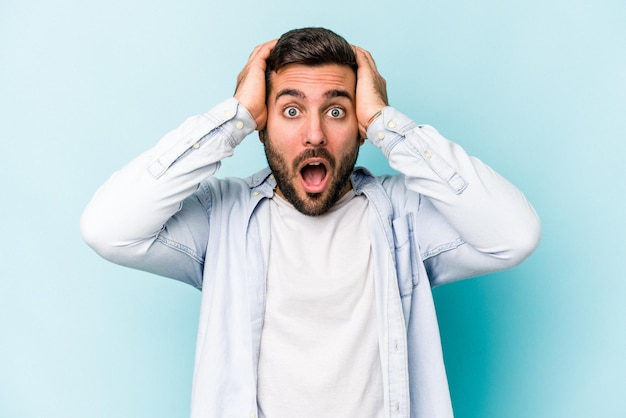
312, 204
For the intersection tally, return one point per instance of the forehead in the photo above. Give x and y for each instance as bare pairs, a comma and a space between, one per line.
314, 79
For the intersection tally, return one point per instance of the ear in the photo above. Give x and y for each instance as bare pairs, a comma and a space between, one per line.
262, 136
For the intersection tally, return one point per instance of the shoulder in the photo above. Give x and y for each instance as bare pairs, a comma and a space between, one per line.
392, 186
235, 189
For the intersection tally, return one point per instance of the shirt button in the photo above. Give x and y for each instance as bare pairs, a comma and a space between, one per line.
427, 155
392, 124
255, 193
239, 124
196, 145
381, 135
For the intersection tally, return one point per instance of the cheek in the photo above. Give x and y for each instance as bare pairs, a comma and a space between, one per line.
285, 138
346, 137
282, 145
280, 127
348, 128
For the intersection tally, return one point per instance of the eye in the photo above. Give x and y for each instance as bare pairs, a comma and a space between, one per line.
291, 112
336, 112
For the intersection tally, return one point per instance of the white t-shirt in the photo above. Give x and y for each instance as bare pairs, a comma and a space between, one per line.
319, 348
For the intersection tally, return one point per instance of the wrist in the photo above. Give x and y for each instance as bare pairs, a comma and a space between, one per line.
373, 118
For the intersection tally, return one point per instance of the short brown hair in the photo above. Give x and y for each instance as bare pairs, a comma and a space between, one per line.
309, 46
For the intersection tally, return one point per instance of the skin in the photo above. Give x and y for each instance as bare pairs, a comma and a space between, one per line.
312, 126
314, 115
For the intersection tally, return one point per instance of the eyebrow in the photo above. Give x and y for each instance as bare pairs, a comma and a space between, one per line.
337, 93
290, 92
330, 94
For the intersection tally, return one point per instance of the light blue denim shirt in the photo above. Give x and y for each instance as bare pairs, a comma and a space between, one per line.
446, 217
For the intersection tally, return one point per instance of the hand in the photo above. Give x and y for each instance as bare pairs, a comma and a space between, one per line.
250, 90
371, 89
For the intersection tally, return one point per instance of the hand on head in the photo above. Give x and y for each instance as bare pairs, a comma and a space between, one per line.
250, 90
371, 90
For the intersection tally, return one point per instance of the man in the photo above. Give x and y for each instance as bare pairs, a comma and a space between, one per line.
316, 277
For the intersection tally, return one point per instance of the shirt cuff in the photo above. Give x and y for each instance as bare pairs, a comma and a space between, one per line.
229, 119
233, 118
388, 129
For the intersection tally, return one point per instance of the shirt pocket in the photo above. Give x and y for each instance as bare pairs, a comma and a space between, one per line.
406, 254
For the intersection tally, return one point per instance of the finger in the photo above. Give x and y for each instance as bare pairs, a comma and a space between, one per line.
263, 50
257, 58
368, 69
364, 58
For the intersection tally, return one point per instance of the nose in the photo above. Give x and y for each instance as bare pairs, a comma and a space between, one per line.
314, 132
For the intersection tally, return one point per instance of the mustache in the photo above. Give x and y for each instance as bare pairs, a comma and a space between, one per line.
314, 153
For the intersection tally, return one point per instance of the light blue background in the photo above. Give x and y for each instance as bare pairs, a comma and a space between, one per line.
536, 88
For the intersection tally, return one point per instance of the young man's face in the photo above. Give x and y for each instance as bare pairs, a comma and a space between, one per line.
312, 137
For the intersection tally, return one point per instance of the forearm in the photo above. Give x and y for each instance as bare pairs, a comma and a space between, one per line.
489, 213
131, 208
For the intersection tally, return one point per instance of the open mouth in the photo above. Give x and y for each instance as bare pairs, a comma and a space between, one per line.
314, 174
